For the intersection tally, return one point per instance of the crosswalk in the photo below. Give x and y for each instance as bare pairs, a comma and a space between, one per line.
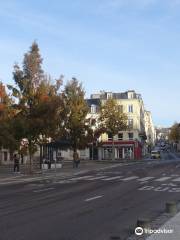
121, 178
102, 177
145, 179
177, 179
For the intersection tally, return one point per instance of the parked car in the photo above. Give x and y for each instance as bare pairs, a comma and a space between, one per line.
155, 154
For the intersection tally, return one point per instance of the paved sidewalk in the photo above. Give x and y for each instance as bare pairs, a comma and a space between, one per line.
61, 173
174, 225
7, 170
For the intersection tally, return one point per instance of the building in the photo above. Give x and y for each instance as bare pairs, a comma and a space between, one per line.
150, 130
162, 133
128, 144
5, 157
131, 144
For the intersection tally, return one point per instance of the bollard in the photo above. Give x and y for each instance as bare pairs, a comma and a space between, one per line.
171, 208
143, 223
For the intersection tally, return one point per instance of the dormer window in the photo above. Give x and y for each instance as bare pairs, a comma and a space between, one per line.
109, 95
93, 108
130, 94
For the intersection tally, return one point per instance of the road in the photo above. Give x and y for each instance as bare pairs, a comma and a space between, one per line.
98, 205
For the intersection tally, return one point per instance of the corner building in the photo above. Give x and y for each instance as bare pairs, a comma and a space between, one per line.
129, 144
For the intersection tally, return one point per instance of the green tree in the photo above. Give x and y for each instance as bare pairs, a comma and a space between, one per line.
7, 112
37, 101
75, 125
112, 120
175, 133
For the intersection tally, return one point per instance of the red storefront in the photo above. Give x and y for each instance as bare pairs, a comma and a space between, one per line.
123, 149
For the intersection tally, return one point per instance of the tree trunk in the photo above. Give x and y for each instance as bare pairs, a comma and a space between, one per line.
113, 149
30, 156
92, 158
41, 157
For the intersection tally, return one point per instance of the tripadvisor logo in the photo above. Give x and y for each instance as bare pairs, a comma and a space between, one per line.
139, 231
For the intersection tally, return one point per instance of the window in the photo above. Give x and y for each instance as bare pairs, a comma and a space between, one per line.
5, 156
130, 123
130, 94
109, 136
131, 135
92, 121
93, 108
120, 108
120, 136
130, 108
109, 95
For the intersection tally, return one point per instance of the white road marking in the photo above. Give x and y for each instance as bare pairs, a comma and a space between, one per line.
129, 178
112, 178
176, 180
161, 189
146, 188
64, 181
145, 179
93, 198
80, 178
169, 184
162, 179
174, 190
95, 178
43, 190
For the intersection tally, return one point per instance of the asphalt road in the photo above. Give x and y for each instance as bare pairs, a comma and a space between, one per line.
98, 205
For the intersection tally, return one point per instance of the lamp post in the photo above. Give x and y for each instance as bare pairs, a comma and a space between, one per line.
92, 157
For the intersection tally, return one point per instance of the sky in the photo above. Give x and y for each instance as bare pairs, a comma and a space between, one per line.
111, 45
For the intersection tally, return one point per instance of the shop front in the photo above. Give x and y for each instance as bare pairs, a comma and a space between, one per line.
122, 150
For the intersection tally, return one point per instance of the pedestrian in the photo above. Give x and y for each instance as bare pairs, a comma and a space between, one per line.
76, 160
16, 163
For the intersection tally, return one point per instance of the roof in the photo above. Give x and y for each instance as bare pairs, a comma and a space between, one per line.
94, 101
61, 143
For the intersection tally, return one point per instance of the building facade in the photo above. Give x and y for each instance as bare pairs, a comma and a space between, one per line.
150, 130
129, 144
5, 157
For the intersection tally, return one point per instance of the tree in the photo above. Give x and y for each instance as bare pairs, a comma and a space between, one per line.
175, 133
7, 112
37, 101
76, 129
112, 120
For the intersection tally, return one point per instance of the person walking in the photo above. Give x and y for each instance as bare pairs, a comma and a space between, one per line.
16, 163
76, 160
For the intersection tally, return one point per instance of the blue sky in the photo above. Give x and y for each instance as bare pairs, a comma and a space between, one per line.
112, 45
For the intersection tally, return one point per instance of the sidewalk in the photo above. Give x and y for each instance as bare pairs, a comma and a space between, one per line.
174, 225
61, 173
7, 170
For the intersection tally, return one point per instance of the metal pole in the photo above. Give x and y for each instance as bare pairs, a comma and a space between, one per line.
55, 163
92, 157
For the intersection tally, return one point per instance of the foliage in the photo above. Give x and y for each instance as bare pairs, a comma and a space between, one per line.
75, 109
111, 118
37, 101
175, 132
7, 112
